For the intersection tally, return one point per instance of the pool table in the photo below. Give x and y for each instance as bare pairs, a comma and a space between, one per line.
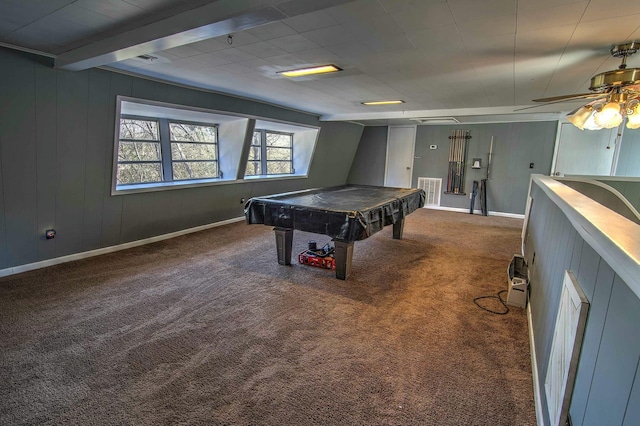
345, 213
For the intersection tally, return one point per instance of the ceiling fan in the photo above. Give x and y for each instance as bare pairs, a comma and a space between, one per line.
615, 94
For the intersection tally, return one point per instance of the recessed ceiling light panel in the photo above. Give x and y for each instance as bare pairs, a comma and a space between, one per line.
390, 102
321, 69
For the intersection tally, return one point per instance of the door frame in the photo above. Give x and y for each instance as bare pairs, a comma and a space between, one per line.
413, 150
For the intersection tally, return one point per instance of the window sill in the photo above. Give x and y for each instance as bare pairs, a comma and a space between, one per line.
166, 186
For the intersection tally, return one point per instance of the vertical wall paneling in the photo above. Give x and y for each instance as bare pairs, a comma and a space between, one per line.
516, 145
57, 132
3, 238
599, 299
112, 205
632, 415
99, 136
611, 387
368, 164
18, 136
46, 157
130, 218
73, 92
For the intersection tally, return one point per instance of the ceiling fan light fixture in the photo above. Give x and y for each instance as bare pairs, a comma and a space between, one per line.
633, 120
609, 117
581, 116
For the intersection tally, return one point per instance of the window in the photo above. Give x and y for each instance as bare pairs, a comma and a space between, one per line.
271, 153
194, 151
159, 146
139, 158
146, 155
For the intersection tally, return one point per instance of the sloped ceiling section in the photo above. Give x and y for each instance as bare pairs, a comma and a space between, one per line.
444, 58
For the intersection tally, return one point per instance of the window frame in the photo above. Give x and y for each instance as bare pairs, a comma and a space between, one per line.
264, 160
158, 141
216, 143
233, 130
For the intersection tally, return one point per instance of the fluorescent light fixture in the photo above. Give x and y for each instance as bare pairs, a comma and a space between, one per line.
394, 102
321, 69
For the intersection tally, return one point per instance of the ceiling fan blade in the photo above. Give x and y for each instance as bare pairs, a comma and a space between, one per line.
563, 98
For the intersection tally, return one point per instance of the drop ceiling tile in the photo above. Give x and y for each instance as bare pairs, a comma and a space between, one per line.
356, 12
210, 45
262, 50
329, 36
351, 51
310, 21
417, 16
604, 32
210, 60
318, 56
184, 51
239, 39
471, 10
287, 61
271, 31
234, 69
603, 9
440, 38
85, 17
548, 40
484, 26
233, 55
294, 43
550, 17
115, 9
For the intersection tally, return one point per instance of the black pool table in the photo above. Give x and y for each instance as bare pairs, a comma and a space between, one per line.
345, 213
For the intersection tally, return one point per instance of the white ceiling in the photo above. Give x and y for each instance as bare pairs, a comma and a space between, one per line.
469, 59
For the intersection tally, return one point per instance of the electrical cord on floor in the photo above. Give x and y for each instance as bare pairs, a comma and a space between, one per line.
496, 296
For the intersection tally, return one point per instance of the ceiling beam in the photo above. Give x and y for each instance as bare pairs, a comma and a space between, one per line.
206, 21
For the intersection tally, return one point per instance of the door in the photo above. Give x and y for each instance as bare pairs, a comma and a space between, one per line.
585, 152
401, 142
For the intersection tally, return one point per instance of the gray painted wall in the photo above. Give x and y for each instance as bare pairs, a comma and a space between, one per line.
515, 145
369, 162
56, 153
606, 197
607, 387
629, 157
630, 189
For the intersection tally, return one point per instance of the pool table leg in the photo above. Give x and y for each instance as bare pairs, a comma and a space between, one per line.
343, 255
284, 241
398, 227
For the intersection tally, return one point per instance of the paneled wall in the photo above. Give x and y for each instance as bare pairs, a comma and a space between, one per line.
629, 156
56, 153
607, 386
368, 164
516, 146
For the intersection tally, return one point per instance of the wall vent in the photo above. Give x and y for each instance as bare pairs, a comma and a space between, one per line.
432, 187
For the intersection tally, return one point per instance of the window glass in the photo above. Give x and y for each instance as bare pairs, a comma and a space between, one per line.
271, 153
194, 151
139, 152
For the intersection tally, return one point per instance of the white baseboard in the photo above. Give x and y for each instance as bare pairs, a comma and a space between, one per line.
83, 255
534, 370
479, 212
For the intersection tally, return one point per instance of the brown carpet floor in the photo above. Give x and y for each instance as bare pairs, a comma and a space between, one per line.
208, 329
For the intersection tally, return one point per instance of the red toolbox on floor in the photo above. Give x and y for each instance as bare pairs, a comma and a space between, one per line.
309, 257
